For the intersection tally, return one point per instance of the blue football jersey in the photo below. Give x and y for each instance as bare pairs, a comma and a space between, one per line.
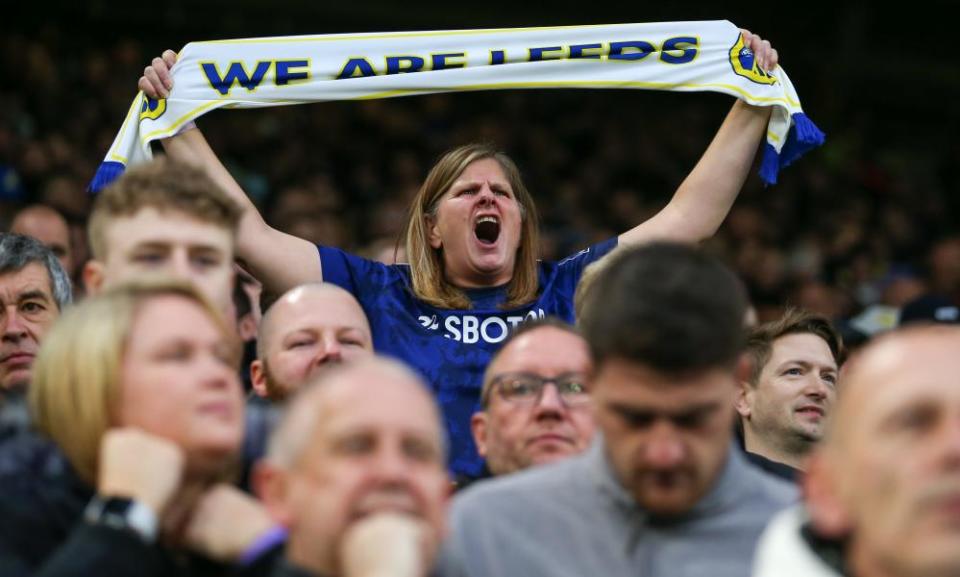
451, 348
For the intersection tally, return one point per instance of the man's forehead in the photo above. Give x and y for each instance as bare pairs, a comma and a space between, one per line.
545, 349
376, 400
327, 302
31, 278
625, 381
902, 370
316, 308
802, 347
150, 225
40, 221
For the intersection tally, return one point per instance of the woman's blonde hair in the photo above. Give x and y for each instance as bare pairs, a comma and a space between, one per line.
426, 263
75, 387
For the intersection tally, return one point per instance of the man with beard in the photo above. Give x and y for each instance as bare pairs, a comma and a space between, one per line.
785, 402
356, 474
663, 491
882, 491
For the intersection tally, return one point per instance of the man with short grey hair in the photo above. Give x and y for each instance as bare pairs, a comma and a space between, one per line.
535, 402
34, 290
356, 474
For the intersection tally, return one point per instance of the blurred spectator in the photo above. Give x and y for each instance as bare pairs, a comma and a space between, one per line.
313, 212
941, 304
881, 488
944, 262
164, 218
137, 398
246, 312
356, 473
49, 227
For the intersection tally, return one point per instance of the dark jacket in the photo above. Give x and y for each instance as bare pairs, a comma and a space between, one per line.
286, 569
14, 415
775, 468
42, 533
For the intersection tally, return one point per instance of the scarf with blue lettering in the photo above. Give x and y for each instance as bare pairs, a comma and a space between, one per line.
680, 56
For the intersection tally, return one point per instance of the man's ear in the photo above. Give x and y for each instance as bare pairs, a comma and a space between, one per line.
258, 378
822, 494
247, 327
478, 426
433, 232
744, 403
272, 485
93, 275
745, 390
744, 367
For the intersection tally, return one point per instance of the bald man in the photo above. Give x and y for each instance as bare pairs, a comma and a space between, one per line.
49, 227
356, 474
882, 494
309, 328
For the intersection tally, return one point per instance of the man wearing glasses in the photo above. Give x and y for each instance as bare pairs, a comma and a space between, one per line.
535, 403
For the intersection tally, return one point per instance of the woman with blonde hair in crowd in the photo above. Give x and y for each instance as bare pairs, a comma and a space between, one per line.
472, 245
137, 398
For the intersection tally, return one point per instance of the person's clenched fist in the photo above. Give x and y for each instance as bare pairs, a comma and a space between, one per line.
139, 466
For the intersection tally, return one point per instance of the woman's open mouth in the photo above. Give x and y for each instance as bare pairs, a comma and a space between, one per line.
487, 229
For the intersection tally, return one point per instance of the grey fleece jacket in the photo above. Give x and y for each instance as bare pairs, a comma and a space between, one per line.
574, 519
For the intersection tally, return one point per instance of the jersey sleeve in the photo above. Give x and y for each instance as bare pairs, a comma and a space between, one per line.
363, 278
570, 269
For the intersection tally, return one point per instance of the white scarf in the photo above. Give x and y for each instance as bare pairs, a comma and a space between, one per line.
680, 56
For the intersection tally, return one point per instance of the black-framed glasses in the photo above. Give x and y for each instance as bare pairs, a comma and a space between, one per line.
527, 388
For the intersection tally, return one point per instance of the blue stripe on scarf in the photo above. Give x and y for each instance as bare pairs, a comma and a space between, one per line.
803, 136
107, 173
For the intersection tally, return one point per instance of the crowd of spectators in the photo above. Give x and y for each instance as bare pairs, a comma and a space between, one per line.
700, 416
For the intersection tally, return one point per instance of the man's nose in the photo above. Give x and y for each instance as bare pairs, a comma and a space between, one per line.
391, 466
665, 450
550, 404
13, 325
816, 387
180, 266
950, 439
329, 351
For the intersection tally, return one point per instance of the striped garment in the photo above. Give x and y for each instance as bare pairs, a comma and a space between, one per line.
249, 73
